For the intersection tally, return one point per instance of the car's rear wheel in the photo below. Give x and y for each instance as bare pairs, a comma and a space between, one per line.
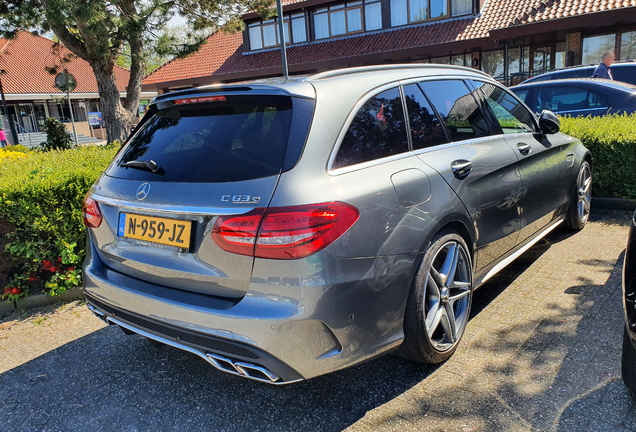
579, 210
438, 306
628, 362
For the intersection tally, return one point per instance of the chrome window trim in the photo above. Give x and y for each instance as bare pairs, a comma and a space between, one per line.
170, 209
582, 110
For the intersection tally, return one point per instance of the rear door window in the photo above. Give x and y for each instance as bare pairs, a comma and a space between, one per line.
425, 127
512, 117
568, 98
457, 108
241, 138
378, 130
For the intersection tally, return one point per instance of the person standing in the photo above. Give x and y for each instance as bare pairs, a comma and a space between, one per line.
603, 70
3, 138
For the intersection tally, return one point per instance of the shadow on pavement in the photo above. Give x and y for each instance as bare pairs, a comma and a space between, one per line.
109, 381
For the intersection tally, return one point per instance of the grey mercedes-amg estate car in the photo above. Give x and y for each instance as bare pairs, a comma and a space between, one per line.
286, 229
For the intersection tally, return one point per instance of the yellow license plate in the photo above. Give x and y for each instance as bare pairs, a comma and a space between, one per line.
164, 231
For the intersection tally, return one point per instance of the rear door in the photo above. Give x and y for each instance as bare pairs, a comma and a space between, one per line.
193, 160
541, 159
481, 168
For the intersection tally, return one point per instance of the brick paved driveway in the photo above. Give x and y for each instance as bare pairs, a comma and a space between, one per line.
542, 352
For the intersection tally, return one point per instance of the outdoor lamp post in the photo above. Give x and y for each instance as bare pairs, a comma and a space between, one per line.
281, 35
5, 111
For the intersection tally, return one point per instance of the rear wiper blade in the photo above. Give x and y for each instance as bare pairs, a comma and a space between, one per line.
149, 165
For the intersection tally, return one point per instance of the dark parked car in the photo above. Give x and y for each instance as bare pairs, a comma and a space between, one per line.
629, 306
621, 71
288, 229
578, 97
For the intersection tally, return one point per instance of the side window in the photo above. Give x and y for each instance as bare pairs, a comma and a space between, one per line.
522, 94
457, 108
511, 116
426, 129
378, 130
563, 99
597, 100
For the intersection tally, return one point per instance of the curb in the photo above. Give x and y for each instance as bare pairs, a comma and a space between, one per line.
614, 203
39, 300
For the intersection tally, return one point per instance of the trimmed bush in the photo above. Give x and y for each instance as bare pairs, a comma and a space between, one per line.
57, 137
42, 236
612, 141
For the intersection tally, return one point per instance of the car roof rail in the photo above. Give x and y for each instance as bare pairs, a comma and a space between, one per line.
388, 67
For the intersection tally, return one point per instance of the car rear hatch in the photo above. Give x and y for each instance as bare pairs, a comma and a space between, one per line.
196, 156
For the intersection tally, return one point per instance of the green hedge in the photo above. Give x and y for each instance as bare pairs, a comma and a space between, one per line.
41, 225
612, 141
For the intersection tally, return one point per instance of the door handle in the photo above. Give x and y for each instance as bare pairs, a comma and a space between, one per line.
524, 148
461, 168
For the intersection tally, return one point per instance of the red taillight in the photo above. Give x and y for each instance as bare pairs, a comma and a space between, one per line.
199, 100
92, 214
284, 232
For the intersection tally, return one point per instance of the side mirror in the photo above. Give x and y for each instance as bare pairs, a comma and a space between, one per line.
549, 123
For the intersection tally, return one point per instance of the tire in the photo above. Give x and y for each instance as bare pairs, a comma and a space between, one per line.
428, 331
628, 363
579, 210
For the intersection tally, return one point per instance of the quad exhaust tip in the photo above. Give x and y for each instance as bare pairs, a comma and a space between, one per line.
246, 370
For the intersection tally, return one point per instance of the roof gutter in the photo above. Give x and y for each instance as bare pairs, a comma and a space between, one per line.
585, 21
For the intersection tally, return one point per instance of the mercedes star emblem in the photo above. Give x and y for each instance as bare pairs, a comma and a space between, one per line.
143, 191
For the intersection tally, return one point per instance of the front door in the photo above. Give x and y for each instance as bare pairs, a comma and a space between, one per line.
541, 160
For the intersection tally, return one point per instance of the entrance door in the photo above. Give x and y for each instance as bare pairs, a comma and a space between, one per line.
542, 59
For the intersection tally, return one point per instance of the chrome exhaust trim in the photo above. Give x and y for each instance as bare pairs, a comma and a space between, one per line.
99, 314
246, 370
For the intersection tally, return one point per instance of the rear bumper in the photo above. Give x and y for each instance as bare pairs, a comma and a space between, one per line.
330, 313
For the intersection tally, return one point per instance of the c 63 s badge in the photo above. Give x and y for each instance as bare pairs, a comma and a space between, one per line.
240, 199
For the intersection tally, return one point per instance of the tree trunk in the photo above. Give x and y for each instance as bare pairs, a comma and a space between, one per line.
117, 119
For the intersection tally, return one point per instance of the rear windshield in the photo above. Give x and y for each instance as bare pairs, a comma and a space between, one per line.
242, 138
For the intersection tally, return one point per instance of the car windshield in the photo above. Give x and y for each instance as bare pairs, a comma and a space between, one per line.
241, 138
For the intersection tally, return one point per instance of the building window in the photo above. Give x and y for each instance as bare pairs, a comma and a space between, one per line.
461, 7
265, 34
441, 60
595, 46
347, 18
560, 56
628, 45
411, 11
492, 62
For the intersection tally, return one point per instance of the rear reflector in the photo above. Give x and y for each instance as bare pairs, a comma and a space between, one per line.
200, 100
284, 232
92, 214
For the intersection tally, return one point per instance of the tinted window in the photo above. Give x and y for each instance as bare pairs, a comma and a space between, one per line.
426, 129
567, 98
458, 109
511, 116
624, 73
243, 138
378, 130
522, 94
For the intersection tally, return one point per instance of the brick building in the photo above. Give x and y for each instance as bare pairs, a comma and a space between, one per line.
510, 40
29, 86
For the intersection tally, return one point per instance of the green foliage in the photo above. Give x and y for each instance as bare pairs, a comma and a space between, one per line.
612, 141
15, 148
41, 198
57, 137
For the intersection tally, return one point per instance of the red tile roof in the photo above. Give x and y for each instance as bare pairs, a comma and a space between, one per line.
25, 58
225, 53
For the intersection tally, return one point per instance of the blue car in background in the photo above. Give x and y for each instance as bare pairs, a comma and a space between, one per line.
624, 72
578, 96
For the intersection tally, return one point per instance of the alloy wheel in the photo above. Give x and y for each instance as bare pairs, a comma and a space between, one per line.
447, 296
584, 186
